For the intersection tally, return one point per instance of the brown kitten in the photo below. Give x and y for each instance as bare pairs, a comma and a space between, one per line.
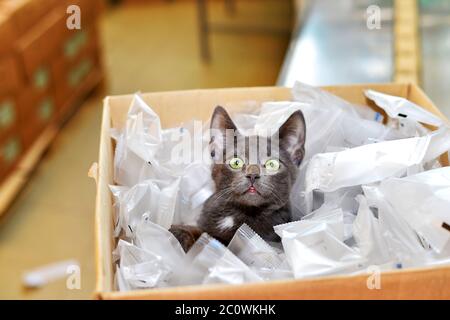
253, 176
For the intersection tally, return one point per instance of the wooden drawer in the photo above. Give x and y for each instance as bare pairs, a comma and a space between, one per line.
25, 13
39, 43
71, 74
11, 148
9, 114
7, 33
11, 77
36, 110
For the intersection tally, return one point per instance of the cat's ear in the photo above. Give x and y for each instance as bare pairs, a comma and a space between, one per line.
292, 136
221, 121
221, 127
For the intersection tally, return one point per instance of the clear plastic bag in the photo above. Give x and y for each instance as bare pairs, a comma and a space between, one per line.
156, 198
398, 107
315, 247
256, 253
368, 236
209, 261
139, 268
366, 164
156, 239
423, 201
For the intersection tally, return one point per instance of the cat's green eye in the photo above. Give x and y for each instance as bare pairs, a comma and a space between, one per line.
272, 165
236, 163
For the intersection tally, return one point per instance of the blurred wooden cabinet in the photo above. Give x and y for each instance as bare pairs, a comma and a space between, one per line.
45, 69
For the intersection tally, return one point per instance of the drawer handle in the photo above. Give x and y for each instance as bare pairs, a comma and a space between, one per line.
78, 73
7, 114
74, 45
46, 109
11, 150
41, 78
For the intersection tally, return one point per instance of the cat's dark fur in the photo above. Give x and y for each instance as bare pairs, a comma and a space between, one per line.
233, 204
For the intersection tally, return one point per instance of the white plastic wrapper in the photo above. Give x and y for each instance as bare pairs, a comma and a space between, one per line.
155, 198
366, 164
423, 200
314, 247
398, 107
368, 236
139, 268
137, 145
256, 253
209, 261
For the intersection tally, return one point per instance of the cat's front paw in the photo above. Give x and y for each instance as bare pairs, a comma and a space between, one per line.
186, 235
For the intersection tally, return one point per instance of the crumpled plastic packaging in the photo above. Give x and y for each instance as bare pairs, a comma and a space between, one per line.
315, 247
423, 201
209, 261
155, 198
153, 260
366, 193
367, 233
256, 253
368, 163
401, 108
139, 268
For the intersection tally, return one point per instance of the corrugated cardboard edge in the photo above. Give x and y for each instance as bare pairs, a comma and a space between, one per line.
426, 283
430, 283
103, 216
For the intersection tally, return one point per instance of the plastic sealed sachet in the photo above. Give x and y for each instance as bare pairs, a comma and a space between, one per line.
367, 233
158, 240
157, 199
137, 144
139, 268
423, 201
315, 247
401, 108
259, 255
151, 261
209, 261
369, 163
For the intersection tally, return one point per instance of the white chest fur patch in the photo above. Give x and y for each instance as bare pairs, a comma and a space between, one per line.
226, 223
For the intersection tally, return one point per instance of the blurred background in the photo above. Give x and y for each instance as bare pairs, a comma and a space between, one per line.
60, 58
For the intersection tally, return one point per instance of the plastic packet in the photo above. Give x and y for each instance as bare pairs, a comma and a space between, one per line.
137, 144
367, 234
159, 241
366, 164
209, 261
140, 268
423, 201
314, 248
398, 107
156, 198
405, 247
196, 186
256, 253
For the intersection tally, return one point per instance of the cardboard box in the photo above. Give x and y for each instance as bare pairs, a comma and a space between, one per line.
176, 107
